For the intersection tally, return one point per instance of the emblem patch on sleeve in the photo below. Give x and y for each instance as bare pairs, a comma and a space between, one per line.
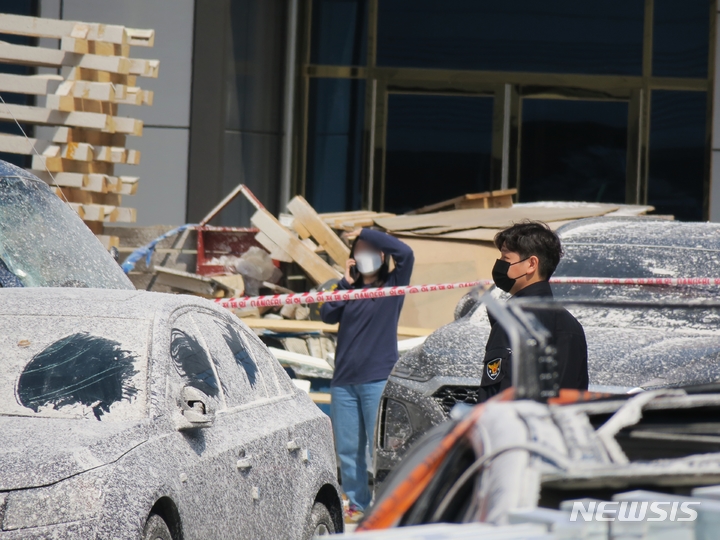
493, 368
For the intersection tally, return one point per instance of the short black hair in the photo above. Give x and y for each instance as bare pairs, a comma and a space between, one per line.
529, 238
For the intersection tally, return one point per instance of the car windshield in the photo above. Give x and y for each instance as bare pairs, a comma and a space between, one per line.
43, 243
74, 367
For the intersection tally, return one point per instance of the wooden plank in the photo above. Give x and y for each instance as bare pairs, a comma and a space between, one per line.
275, 251
109, 241
88, 197
71, 103
487, 199
67, 135
291, 325
93, 75
21, 25
84, 46
42, 57
100, 183
320, 398
72, 151
36, 85
318, 270
140, 37
93, 90
194, 283
17, 144
59, 164
144, 68
39, 115
128, 185
324, 235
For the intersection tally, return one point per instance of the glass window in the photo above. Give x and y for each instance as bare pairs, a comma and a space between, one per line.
335, 144
573, 150
677, 153
438, 147
74, 367
339, 30
556, 36
681, 33
193, 363
17, 7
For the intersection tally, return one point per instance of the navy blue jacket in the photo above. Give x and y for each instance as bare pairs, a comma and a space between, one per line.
367, 339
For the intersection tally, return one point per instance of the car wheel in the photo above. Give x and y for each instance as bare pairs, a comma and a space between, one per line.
156, 529
321, 522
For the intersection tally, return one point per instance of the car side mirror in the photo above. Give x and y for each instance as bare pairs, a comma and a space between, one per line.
195, 408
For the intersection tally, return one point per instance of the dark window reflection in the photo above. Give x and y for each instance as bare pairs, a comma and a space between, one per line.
335, 144
438, 147
339, 30
677, 153
573, 150
559, 36
680, 38
17, 7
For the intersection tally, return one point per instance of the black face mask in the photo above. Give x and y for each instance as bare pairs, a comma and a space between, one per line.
500, 275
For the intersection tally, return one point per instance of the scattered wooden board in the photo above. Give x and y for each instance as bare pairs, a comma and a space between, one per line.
194, 283
323, 234
318, 270
488, 199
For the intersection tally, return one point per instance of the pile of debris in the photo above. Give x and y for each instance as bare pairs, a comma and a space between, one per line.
303, 250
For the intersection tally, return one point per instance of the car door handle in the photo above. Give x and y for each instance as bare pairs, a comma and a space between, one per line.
244, 463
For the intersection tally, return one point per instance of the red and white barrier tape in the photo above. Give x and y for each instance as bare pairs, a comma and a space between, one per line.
386, 292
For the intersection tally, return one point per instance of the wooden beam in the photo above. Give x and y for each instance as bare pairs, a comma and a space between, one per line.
71, 104
88, 197
35, 85
38, 115
21, 25
100, 183
93, 75
318, 270
193, 283
140, 38
104, 213
324, 235
96, 138
93, 90
42, 57
59, 164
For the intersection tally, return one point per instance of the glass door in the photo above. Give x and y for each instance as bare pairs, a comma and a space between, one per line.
437, 146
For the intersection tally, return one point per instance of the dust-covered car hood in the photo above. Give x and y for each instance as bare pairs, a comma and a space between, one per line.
36, 452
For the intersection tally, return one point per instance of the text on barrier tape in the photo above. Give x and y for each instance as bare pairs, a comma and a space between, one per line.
388, 292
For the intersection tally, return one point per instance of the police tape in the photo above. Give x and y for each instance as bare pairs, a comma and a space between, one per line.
389, 292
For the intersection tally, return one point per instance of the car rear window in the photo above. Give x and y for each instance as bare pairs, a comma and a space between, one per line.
73, 367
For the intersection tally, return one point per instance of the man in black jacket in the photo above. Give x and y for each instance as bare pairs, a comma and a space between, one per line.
530, 252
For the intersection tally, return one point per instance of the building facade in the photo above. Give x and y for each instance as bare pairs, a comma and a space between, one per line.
395, 104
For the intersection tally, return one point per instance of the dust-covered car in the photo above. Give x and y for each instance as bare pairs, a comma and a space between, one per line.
587, 465
43, 241
128, 414
627, 347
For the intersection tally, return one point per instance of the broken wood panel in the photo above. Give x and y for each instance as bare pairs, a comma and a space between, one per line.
36, 85
324, 235
318, 270
38, 115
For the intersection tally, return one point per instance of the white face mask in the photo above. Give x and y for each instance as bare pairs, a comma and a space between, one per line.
368, 262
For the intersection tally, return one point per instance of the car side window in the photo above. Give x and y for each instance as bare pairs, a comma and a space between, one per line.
268, 361
193, 362
237, 363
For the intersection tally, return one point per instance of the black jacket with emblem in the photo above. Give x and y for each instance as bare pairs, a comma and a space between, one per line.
568, 338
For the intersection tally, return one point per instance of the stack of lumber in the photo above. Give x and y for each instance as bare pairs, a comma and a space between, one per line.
88, 137
349, 221
487, 199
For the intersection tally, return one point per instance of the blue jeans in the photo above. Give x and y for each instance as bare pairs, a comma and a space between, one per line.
353, 409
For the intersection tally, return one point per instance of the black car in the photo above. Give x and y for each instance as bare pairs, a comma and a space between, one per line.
627, 348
